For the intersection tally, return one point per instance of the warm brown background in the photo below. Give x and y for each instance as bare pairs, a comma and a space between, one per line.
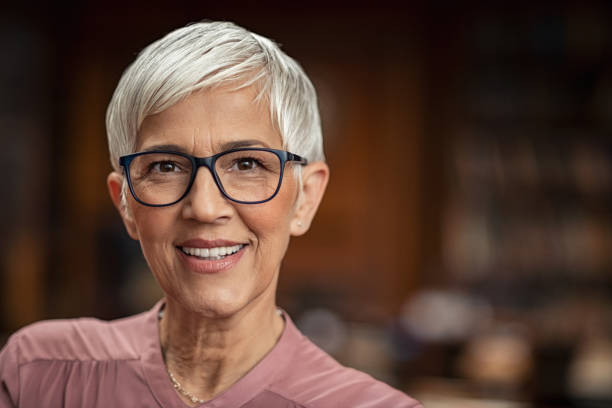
469, 148
369, 68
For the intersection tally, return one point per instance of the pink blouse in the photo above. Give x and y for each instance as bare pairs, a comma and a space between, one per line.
92, 363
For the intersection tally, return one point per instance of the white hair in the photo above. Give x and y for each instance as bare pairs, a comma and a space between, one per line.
206, 55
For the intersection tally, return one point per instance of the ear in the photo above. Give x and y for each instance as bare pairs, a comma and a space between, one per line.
314, 180
114, 181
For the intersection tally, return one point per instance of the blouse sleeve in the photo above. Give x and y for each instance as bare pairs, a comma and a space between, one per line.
9, 374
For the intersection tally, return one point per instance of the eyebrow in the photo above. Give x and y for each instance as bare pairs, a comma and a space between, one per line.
242, 143
225, 146
170, 147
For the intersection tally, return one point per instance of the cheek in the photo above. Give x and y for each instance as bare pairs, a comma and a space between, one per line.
152, 222
270, 222
154, 226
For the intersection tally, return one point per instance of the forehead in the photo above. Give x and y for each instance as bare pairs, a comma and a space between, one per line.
209, 119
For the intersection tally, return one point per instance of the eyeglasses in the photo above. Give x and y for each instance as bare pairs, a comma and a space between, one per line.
244, 175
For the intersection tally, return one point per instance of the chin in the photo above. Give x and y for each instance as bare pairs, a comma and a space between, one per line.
220, 304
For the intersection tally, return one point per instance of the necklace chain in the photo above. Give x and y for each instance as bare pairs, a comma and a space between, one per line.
177, 386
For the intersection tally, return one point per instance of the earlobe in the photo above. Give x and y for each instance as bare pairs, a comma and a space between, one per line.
114, 182
314, 181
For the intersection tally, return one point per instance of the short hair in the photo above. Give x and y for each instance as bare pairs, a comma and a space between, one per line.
206, 55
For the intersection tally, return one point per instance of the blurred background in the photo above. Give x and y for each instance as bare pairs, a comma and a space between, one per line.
463, 252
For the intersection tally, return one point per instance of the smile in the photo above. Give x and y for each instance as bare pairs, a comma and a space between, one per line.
212, 254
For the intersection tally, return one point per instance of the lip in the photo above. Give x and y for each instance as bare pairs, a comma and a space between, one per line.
205, 243
208, 267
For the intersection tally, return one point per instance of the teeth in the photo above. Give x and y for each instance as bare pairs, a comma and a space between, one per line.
212, 253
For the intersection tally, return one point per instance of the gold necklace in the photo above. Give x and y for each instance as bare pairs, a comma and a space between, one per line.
177, 385
184, 392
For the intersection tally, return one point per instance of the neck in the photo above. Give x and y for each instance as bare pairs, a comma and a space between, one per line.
208, 355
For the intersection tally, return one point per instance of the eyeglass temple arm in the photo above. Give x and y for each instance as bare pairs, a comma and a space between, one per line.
297, 158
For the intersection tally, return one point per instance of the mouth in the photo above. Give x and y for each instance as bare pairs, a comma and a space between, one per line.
211, 254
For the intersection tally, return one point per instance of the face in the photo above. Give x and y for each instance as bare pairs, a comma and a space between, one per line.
204, 124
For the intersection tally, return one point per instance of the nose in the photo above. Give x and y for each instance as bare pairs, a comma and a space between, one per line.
204, 202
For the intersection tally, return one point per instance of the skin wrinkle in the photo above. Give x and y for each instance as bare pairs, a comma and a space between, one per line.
216, 327
205, 205
217, 341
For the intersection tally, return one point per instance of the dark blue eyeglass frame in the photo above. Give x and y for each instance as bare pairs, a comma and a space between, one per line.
209, 163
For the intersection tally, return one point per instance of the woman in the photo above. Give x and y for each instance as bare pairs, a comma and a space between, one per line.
208, 95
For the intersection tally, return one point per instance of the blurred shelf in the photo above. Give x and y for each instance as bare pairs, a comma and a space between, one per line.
524, 127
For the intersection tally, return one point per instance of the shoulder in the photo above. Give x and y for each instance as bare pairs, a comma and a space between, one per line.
77, 339
314, 379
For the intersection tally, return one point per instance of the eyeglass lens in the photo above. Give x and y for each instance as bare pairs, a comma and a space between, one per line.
246, 175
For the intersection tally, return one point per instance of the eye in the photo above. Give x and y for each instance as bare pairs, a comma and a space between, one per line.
166, 166
246, 163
